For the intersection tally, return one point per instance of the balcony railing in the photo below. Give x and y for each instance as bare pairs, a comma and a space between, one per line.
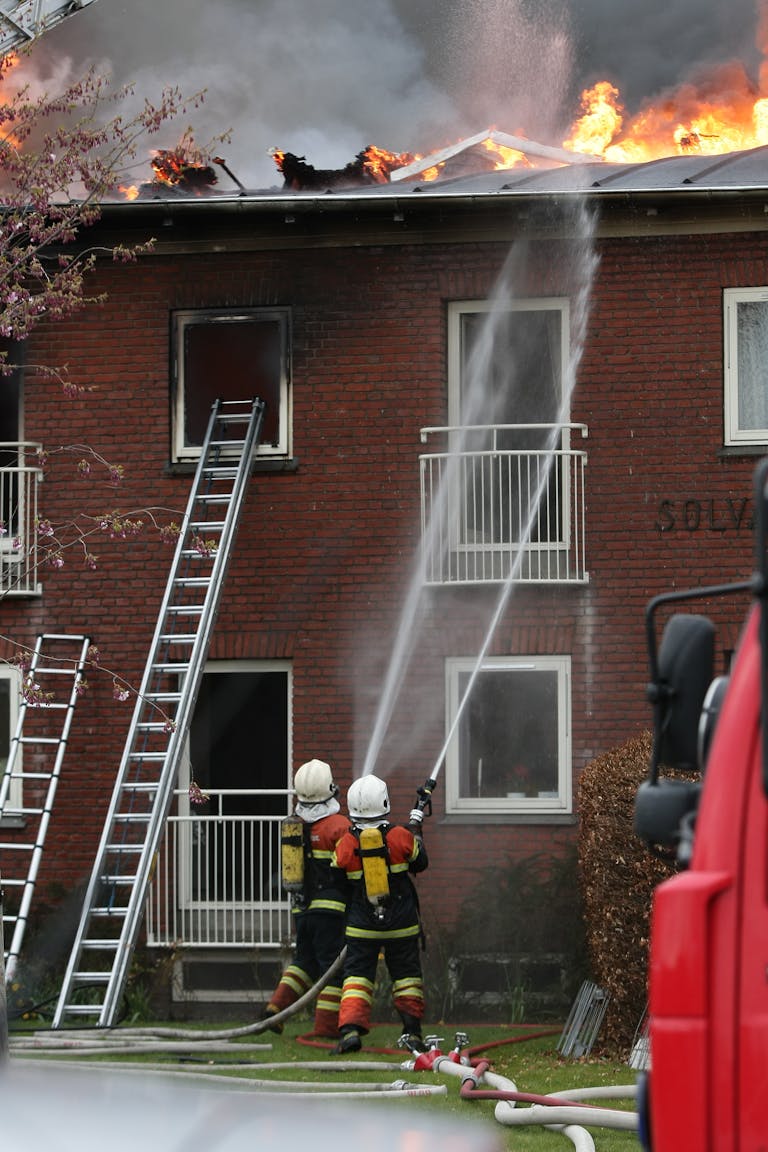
20, 477
504, 502
217, 880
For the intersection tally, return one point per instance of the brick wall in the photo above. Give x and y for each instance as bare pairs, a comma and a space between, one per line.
323, 555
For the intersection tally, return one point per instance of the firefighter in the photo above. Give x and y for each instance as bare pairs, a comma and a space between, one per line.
317, 900
375, 858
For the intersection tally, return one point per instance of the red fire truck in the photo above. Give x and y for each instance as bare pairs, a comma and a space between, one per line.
706, 801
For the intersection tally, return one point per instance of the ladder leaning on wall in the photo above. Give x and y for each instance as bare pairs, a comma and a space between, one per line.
113, 905
41, 732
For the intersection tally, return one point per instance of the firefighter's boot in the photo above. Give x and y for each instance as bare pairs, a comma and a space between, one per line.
412, 1037
268, 1012
350, 1041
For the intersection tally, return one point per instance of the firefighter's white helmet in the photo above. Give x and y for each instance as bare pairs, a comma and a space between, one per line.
313, 782
368, 799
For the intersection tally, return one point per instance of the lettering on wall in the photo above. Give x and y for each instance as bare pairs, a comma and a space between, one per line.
720, 514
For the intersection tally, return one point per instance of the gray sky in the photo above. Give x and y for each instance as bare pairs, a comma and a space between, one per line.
324, 78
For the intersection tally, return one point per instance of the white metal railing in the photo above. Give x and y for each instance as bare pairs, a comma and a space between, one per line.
217, 879
504, 501
20, 477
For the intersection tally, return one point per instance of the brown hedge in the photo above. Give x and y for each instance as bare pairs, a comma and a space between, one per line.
617, 875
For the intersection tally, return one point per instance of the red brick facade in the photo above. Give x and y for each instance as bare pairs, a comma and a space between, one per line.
325, 549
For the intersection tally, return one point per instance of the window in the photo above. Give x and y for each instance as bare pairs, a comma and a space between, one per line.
746, 365
231, 356
511, 749
506, 367
10, 691
239, 741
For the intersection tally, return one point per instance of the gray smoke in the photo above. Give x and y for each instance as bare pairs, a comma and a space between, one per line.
324, 78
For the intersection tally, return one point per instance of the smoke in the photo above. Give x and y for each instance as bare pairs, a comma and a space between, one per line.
324, 78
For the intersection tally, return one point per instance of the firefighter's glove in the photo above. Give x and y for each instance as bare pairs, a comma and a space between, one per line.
416, 817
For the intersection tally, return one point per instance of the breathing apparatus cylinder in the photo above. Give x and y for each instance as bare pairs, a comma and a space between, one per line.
292, 853
373, 853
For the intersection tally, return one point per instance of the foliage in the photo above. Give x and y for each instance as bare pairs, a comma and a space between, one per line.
618, 875
60, 155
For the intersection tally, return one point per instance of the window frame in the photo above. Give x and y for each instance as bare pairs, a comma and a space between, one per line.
458, 308
558, 805
733, 435
180, 319
15, 800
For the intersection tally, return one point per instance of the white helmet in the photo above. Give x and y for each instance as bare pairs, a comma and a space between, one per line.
368, 799
313, 782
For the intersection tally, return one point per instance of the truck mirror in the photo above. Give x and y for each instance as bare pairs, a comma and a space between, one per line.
710, 712
685, 671
661, 809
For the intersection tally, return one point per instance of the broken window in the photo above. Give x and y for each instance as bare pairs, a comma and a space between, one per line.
511, 749
231, 355
746, 360
239, 756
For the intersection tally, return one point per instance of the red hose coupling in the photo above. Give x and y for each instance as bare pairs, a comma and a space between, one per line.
424, 1062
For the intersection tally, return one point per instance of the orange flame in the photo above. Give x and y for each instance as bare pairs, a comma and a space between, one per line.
721, 111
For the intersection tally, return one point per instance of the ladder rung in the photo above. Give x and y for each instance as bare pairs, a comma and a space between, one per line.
131, 818
171, 666
139, 786
189, 552
117, 879
83, 1009
150, 757
224, 472
103, 911
11, 883
166, 697
105, 944
185, 609
178, 638
125, 848
227, 444
40, 740
31, 775
92, 977
209, 525
214, 497
192, 581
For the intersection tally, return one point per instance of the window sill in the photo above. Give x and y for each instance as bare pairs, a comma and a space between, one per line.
562, 818
266, 465
734, 450
12, 822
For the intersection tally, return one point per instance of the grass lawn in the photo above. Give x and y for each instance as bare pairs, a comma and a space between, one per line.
514, 1052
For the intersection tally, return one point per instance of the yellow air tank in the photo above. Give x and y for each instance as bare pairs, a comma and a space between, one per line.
375, 871
292, 853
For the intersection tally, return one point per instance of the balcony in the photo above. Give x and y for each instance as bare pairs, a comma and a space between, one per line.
20, 477
216, 882
503, 502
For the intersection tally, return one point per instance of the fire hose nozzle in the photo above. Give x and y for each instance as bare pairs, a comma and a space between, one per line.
424, 794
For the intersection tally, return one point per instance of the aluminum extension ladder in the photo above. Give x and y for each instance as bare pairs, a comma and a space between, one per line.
113, 906
38, 735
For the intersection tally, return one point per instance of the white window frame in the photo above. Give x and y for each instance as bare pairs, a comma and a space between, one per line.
456, 310
180, 319
15, 800
541, 805
734, 434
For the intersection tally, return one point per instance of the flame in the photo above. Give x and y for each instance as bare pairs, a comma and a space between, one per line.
130, 192
722, 110
507, 157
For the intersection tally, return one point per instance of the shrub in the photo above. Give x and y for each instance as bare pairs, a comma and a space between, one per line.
618, 875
